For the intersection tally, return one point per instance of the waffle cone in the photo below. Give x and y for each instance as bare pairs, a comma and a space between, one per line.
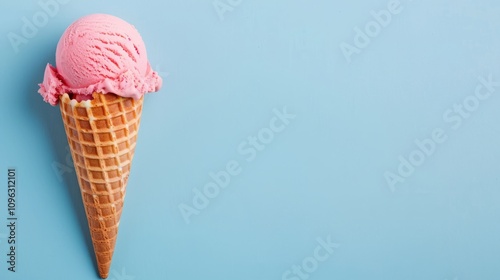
102, 135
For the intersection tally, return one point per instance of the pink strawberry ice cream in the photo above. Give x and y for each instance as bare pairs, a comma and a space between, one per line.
99, 53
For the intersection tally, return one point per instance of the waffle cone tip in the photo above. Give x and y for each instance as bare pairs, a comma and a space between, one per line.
104, 271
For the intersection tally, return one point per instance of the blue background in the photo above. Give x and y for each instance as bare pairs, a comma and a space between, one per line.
323, 175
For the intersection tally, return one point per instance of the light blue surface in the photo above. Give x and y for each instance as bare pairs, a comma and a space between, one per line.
323, 176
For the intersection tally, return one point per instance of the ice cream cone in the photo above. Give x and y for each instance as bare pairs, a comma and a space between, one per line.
102, 135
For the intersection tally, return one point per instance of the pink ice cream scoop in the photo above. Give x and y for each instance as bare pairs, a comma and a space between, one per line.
99, 53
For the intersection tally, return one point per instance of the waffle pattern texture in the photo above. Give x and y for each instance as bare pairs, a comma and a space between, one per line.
102, 135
